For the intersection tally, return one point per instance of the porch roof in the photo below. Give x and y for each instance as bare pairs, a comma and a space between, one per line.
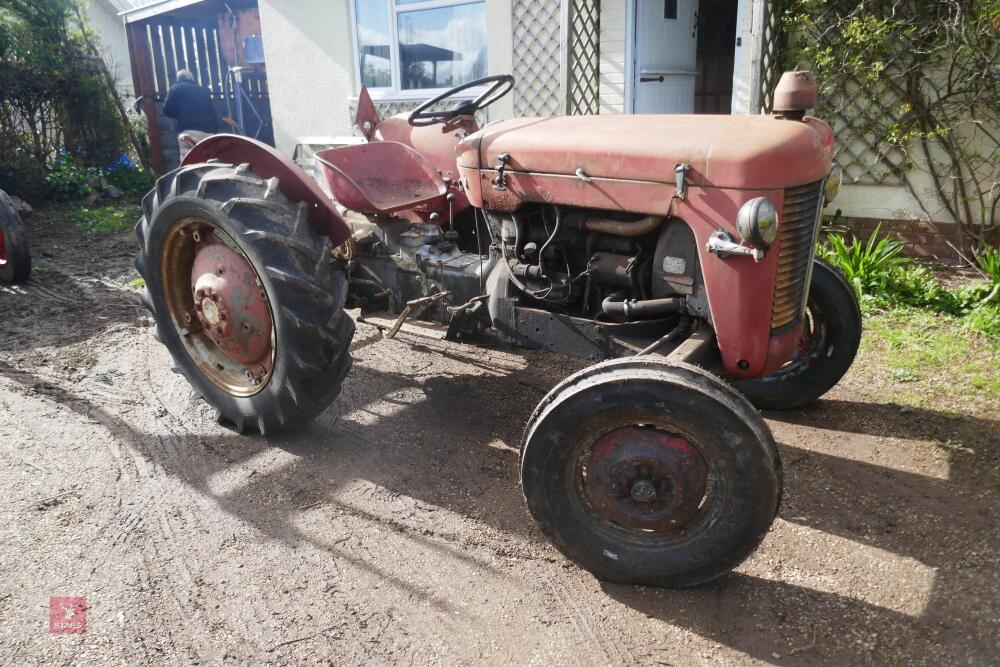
187, 7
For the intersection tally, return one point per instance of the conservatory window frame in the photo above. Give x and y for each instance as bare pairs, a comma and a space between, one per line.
395, 92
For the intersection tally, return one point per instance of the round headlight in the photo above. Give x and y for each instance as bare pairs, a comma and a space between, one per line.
757, 222
832, 186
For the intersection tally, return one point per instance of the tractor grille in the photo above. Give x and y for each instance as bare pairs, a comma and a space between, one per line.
796, 245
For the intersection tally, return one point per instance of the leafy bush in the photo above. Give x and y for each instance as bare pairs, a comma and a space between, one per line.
985, 320
882, 278
129, 179
54, 101
67, 181
869, 266
919, 78
989, 261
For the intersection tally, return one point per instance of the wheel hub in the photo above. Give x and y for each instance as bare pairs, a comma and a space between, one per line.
230, 305
644, 478
643, 491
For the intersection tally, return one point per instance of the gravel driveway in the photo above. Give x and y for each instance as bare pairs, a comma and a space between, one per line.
392, 529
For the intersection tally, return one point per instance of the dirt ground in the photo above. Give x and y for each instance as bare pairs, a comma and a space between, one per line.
392, 529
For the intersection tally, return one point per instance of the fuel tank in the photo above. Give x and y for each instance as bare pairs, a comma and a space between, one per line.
624, 162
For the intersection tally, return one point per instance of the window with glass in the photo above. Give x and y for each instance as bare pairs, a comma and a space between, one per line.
411, 47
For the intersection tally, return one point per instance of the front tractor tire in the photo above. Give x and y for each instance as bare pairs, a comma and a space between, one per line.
244, 295
826, 351
649, 472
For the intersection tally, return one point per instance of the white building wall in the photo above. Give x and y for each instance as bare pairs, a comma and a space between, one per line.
310, 68
102, 16
309, 47
614, 70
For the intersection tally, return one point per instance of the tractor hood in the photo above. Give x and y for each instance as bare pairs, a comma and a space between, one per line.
746, 152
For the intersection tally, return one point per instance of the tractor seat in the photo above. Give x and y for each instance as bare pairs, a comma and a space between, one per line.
381, 177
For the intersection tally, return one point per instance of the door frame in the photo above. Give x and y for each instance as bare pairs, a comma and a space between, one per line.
740, 75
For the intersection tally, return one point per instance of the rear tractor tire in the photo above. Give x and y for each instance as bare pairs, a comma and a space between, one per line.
647, 472
244, 295
827, 348
15, 258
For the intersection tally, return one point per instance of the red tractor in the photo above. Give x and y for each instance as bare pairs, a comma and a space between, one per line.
675, 252
15, 258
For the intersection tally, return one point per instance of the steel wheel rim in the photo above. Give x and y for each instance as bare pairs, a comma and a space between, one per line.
224, 320
608, 471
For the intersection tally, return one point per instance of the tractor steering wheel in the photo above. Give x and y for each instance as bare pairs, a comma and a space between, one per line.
502, 84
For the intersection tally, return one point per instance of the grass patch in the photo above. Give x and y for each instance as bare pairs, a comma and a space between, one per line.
137, 284
933, 360
104, 220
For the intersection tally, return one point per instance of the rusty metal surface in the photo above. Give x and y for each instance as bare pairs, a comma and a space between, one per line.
782, 347
217, 307
739, 289
381, 177
366, 119
437, 143
795, 246
608, 194
644, 478
266, 162
230, 304
795, 92
722, 151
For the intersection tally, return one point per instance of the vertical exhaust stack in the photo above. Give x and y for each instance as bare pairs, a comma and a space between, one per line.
796, 92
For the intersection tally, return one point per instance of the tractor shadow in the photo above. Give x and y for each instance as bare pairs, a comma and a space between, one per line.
76, 292
946, 525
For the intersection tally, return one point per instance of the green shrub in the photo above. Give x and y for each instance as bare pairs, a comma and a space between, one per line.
868, 266
985, 320
989, 261
882, 278
129, 179
67, 181
914, 285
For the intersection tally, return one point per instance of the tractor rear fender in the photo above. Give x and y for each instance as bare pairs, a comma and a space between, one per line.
267, 163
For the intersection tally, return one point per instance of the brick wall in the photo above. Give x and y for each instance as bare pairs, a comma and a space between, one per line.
920, 239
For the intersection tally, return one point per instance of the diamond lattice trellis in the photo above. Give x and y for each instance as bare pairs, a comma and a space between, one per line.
772, 42
584, 57
537, 38
853, 110
855, 114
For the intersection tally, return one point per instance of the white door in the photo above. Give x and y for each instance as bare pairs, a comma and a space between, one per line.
666, 33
